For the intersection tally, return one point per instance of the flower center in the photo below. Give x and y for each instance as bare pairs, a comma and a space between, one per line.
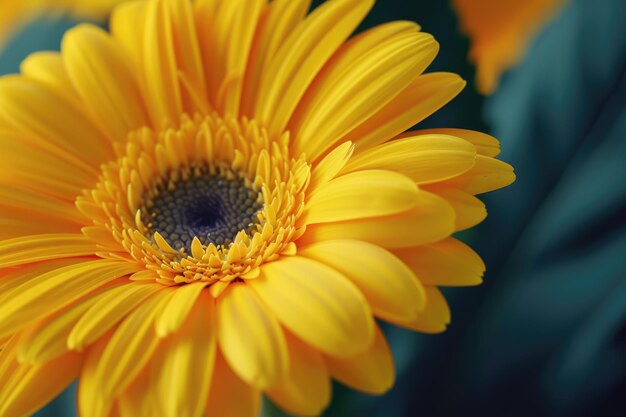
210, 206
209, 200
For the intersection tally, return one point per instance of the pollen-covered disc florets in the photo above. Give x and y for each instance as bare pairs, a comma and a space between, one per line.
208, 201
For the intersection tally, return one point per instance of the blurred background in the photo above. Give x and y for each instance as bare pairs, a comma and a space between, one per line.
545, 335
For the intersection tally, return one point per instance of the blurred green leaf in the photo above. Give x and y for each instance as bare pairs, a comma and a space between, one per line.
550, 327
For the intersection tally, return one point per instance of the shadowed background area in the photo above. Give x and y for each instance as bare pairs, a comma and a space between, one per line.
546, 332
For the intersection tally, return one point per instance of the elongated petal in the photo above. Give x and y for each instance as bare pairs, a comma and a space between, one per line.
48, 170
250, 337
306, 390
361, 194
389, 286
175, 312
371, 371
133, 401
33, 386
99, 70
469, 210
163, 95
106, 311
302, 56
330, 166
28, 249
448, 263
185, 371
26, 104
485, 144
130, 347
90, 402
47, 338
317, 304
279, 20
423, 158
48, 68
486, 175
430, 220
434, 318
189, 59
230, 396
55, 289
17, 198
424, 96
359, 88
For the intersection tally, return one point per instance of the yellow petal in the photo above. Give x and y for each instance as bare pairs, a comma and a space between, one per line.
17, 198
279, 20
189, 59
329, 167
60, 122
250, 337
26, 222
423, 158
183, 378
371, 371
230, 396
130, 348
469, 210
106, 311
317, 304
163, 95
499, 31
48, 170
56, 289
48, 68
12, 278
32, 386
434, 318
485, 144
357, 88
486, 175
301, 57
99, 70
389, 286
127, 27
175, 312
448, 263
27, 249
306, 390
47, 338
8, 358
239, 32
133, 401
88, 398
430, 220
361, 194
424, 96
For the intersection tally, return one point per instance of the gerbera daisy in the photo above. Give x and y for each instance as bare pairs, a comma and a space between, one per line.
217, 200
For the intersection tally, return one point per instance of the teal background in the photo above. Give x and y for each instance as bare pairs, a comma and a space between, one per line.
545, 335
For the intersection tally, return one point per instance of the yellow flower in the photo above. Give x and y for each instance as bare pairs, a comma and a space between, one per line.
499, 31
14, 13
217, 200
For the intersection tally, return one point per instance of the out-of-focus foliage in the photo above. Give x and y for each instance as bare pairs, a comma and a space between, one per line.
554, 325
500, 31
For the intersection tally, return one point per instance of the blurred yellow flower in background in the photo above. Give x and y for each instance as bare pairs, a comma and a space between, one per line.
499, 32
218, 200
